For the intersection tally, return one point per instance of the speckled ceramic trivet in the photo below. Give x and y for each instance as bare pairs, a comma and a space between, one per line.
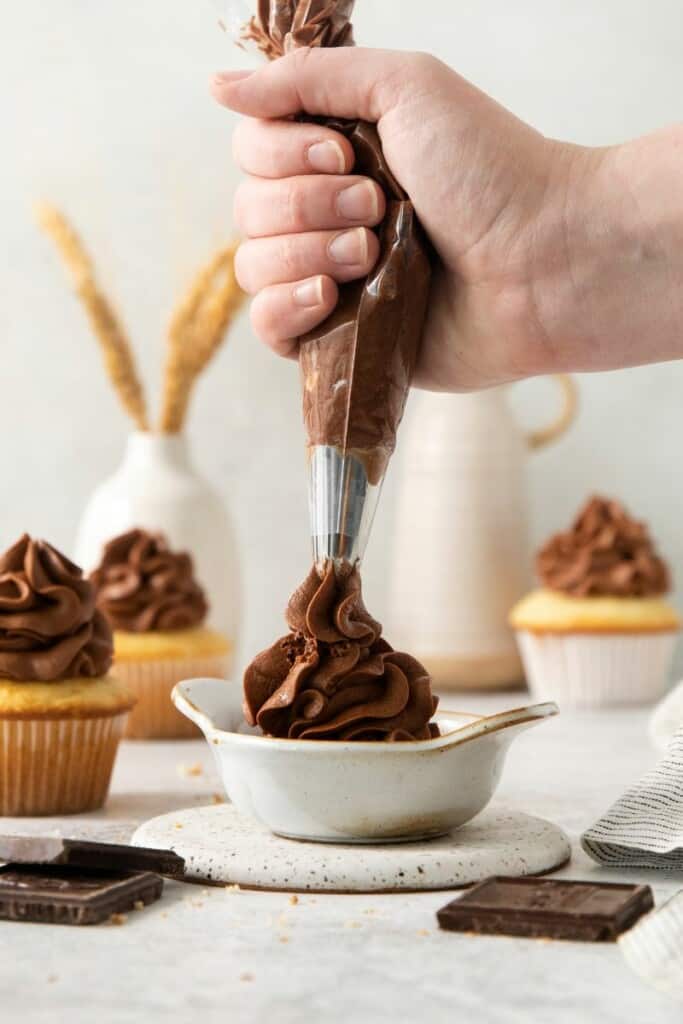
220, 846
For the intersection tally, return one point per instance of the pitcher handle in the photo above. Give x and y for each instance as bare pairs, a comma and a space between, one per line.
537, 439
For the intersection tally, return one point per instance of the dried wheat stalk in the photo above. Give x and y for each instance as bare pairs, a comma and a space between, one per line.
118, 356
196, 331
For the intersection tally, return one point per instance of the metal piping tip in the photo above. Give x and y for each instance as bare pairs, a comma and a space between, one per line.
342, 504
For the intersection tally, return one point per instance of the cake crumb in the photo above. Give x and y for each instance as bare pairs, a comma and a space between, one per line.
246, 976
233, 887
52, 978
118, 918
164, 913
139, 905
352, 924
178, 824
284, 938
190, 770
217, 798
294, 899
422, 932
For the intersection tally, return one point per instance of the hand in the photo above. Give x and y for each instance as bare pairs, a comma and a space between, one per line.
529, 233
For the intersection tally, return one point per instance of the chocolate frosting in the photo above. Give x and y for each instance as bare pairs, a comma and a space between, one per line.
357, 365
333, 677
282, 25
143, 586
605, 553
49, 626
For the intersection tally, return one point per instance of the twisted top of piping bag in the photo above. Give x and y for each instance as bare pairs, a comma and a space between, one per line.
280, 26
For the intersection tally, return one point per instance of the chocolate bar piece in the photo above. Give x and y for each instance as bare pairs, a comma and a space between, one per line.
65, 895
83, 853
549, 908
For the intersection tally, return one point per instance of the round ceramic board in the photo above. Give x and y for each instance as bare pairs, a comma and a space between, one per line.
222, 847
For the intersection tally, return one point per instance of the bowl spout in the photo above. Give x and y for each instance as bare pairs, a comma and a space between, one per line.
212, 704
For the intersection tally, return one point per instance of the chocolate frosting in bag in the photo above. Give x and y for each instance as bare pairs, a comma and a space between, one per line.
605, 553
283, 25
143, 586
333, 677
358, 364
49, 626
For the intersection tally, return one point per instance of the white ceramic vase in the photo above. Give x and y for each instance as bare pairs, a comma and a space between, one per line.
461, 554
157, 488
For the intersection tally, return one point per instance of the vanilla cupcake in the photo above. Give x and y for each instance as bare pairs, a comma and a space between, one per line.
157, 610
600, 632
61, 713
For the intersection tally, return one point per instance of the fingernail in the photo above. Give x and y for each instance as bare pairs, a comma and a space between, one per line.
327, 157
349, 247
228, 77
358, 202
310, 293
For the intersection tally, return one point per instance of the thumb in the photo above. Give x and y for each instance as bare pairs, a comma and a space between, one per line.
344, 81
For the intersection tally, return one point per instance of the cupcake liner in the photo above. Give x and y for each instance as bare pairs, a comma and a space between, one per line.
56, 765
154, 717
592, 670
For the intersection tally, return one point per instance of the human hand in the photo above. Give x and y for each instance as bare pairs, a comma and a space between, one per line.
530, 265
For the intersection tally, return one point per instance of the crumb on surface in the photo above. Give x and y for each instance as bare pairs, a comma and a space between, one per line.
52, 978
246, 976
118, 918
422, 932
178, 824
139, 905
190, 770
164, 913
284, 938
352, 924
217, 798
293, 899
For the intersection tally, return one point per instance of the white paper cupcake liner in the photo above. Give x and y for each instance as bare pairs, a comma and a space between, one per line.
154, 717
56, 766
592, 670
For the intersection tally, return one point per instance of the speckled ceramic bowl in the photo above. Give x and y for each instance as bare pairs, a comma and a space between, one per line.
356, 792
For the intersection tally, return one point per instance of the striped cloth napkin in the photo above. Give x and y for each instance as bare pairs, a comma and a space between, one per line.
644, 828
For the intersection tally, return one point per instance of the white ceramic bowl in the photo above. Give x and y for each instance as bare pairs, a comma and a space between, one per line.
355, 792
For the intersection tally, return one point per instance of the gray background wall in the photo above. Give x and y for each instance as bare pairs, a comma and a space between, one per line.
104, 110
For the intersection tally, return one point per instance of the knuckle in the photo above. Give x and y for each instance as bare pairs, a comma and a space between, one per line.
296, 206
424, 65
289, 258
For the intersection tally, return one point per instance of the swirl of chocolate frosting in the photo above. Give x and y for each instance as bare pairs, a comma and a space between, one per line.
49, 626
333, 677
143, 586
283, 25
605, 553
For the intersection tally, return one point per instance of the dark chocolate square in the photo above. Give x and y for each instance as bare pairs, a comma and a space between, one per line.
67, 895
550, 908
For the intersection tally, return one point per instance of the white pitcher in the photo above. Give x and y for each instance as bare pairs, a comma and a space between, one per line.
456, 575
158, 488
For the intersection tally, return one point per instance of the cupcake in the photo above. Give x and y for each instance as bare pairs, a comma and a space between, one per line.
157, 610
61, 713
599, 633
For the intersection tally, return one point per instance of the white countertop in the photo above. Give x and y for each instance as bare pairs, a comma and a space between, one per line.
208, 954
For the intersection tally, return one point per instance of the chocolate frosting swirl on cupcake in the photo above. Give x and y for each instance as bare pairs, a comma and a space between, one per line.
143, 586
50, 628
605, 553
333, 677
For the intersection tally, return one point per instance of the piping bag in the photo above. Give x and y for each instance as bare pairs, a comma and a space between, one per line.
334, 676
356, 367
